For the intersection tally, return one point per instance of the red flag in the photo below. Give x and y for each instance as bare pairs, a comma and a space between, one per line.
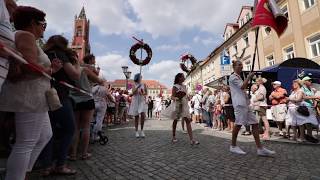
267, 13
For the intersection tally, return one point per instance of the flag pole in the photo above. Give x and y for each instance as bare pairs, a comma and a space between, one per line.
254, 57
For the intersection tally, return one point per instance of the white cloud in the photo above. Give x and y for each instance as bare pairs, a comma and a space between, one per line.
170, 47
164, 71
111, 64
159, 18
167, 17
109, 16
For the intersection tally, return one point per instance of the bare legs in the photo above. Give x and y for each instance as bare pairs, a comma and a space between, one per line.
136, 121
189, 129
255, 132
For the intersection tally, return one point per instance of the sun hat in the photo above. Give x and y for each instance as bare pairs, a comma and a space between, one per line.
277, 83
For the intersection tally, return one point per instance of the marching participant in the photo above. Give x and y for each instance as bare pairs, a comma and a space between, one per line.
138, 105
244, 116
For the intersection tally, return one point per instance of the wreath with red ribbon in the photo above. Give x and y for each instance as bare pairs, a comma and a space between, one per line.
184, 59
135, 48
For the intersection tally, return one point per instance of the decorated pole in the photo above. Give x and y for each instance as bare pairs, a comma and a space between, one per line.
142, 46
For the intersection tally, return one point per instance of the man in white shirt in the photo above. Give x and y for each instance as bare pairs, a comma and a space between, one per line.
243, 114
196, 100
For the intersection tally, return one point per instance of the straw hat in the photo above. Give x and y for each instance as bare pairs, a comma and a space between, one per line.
261, 79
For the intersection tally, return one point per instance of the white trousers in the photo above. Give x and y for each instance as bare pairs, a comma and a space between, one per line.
33, 132
100, 113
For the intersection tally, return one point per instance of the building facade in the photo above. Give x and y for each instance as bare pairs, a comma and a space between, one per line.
301, 39
80, 41
154, 87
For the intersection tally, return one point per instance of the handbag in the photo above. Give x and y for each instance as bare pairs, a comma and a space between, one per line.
303, 110
53, 99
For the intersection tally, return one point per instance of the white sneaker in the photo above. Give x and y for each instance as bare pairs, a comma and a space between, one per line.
265, 152
184, 132
137, 134
142, 134
237, 150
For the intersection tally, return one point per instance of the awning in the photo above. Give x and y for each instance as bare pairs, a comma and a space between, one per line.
218, 83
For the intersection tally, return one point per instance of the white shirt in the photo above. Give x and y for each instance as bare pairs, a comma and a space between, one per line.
239, 97
262, 92
6, 31
196, 99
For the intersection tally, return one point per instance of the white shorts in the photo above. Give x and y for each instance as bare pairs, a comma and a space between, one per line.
197, 111
244, 116
279, 112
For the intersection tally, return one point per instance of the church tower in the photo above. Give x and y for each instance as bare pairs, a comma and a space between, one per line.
80, 41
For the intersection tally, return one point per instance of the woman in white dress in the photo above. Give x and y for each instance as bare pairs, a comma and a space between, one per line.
138, 104
179, 108
293, 118
158, 106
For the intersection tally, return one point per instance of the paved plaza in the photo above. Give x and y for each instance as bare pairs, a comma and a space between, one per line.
155, 157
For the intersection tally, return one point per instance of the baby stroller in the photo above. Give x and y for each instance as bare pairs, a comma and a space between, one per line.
99, 136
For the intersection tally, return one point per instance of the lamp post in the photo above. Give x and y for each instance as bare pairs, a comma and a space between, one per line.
127, 74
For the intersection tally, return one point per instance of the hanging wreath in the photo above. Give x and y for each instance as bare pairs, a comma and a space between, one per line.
135, 48
184, 59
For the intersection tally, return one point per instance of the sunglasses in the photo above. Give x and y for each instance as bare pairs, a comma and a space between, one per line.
43, 24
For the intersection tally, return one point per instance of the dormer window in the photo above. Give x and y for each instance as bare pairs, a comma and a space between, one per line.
241, 22
248, 17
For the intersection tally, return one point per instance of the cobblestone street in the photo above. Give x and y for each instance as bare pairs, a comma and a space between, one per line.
154, 157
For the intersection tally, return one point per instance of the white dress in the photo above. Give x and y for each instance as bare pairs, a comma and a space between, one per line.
293, 118
179, 108
158, 104
138, 104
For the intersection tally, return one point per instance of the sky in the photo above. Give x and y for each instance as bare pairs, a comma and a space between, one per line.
169, 27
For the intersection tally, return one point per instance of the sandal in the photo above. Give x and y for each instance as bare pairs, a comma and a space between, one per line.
65, 171
86, 156
46, 172
72, 158
193, 142
174, 140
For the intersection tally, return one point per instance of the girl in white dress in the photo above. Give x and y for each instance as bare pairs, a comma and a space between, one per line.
158, 106
138, 104
179, 108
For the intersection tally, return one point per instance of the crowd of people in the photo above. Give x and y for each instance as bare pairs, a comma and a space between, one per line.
52, 134
216, 109
52, 119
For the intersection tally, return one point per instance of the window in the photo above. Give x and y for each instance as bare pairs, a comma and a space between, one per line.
247, 65
235, 48
79, 31
246, 40
267, 30
212, 66
314, 43
241, 22
308, 3
288, 53
248, 17
284, 9
270, 60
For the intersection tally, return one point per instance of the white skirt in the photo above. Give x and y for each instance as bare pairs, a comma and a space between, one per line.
177, 110
138, 106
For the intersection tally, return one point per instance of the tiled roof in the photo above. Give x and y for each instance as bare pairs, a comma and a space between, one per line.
150, 83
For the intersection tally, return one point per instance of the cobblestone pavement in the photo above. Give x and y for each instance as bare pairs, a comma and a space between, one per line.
154, 157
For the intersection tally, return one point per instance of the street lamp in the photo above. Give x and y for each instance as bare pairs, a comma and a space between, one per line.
127, 74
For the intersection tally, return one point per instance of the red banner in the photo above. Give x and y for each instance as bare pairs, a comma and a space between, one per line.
264, 16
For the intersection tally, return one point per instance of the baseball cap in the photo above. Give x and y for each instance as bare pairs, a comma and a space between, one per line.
307, 78
277, 82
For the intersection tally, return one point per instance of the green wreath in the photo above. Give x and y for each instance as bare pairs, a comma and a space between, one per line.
133, 51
